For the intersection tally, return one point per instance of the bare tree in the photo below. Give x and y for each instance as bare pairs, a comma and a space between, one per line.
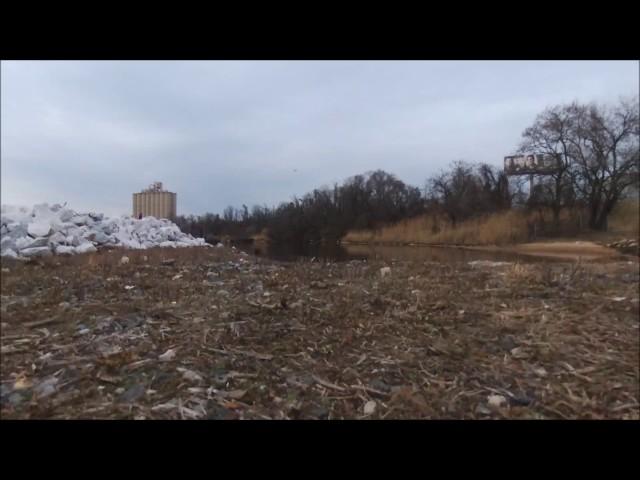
604, 148
467, 189
597, 152
495, 188
228, 214
551, 135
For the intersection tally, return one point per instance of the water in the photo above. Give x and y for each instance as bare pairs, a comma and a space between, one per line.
341, 253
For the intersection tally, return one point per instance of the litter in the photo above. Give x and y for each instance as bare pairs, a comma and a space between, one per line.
76, 343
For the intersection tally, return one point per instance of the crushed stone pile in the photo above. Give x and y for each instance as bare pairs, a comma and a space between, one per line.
46, 230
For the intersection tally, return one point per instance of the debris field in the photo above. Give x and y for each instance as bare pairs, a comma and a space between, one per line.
214, 333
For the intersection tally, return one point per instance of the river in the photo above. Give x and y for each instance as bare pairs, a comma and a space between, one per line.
339, 253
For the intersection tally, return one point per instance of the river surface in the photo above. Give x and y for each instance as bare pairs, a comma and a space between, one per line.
339, 253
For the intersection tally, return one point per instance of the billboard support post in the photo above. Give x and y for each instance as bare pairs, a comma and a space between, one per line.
530, 184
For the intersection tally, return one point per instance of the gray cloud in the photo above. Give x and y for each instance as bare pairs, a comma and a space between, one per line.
220, 133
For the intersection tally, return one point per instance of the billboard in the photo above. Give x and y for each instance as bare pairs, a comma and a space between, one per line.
530, 164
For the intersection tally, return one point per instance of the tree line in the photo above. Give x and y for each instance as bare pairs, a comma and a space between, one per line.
596, 148
597, 152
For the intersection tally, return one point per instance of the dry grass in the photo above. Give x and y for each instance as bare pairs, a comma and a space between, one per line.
261, 237
523, 273
501, 228
498, 229
625, 218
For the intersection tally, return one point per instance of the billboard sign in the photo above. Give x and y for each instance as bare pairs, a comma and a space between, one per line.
530, 164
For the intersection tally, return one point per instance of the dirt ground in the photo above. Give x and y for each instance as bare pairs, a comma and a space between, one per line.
569, 250
210, 333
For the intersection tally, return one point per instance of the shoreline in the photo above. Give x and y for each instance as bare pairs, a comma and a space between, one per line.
560, 248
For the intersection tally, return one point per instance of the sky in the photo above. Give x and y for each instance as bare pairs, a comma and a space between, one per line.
218, 133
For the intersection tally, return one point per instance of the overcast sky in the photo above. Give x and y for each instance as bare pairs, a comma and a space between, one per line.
228, 133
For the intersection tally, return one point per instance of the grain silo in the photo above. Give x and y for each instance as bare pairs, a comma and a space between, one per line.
154, 202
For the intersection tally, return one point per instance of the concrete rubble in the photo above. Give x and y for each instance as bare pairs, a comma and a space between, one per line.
47, 230
627, 245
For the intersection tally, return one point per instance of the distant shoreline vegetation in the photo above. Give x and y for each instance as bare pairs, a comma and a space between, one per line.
599, 163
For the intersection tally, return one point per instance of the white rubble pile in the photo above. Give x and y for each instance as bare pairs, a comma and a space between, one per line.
46, 230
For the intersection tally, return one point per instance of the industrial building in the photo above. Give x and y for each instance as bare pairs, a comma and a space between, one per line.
155, 202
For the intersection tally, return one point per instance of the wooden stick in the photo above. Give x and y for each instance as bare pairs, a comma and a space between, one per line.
259, 356
41, 322
324, 383
370, 390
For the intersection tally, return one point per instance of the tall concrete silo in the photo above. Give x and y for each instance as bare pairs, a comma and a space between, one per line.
155, 202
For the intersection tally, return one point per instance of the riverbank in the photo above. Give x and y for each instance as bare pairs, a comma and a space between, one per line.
214, 333
509, 229
561, 249
570, 250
